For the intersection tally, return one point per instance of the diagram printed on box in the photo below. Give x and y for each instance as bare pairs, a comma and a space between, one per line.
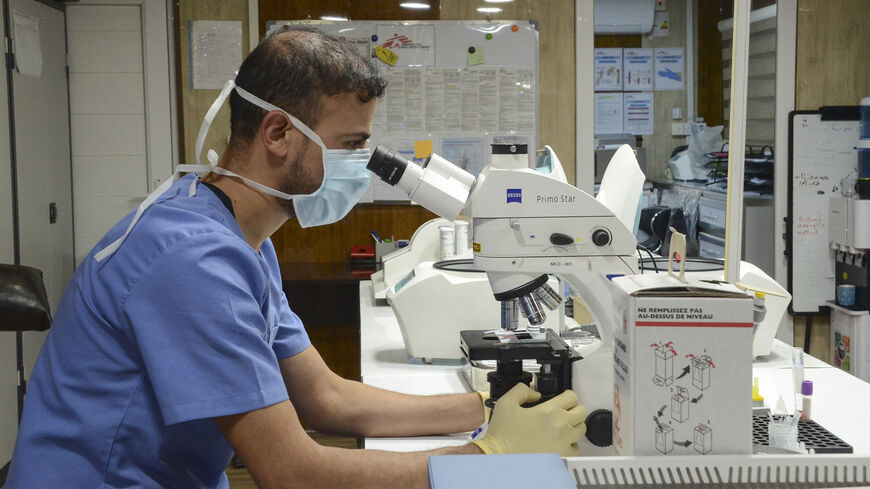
682, 389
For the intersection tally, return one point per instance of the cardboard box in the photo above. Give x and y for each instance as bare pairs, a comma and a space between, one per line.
683, 367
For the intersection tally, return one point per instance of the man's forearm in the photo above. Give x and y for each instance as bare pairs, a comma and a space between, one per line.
279, 455
331, 404
376, 412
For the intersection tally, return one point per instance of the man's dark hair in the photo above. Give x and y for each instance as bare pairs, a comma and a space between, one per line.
292, 69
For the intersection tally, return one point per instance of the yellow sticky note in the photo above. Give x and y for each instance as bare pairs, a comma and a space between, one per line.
475, 58
386, 55
422, 149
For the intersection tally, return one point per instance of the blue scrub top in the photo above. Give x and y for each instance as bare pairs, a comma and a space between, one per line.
183, 323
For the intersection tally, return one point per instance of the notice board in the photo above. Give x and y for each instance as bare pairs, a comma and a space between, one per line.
822, 163
453, 88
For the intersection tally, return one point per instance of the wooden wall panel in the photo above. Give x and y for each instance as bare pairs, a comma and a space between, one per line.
709, 62
331, 244
832, 65
618, 41
195, 103
556, 78
368, 10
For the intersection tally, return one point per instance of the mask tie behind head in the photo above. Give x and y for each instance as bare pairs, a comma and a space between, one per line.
209, 117
199, 168
304, 129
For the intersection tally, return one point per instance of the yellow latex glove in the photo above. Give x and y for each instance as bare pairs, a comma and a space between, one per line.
554, 426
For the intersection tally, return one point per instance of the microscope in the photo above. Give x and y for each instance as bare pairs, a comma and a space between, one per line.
525, 226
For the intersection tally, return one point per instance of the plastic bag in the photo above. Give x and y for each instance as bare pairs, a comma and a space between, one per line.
701, 140
688, 200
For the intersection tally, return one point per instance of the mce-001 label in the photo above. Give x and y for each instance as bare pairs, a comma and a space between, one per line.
555, 199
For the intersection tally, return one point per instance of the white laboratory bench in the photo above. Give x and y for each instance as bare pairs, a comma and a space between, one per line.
841, 402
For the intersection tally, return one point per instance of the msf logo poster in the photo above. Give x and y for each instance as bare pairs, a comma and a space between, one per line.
515, 195
414, 44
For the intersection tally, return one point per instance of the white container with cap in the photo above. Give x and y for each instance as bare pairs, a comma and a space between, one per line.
447, 235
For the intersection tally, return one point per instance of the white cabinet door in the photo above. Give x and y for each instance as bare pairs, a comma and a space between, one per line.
107, 109
119, 110
42, 150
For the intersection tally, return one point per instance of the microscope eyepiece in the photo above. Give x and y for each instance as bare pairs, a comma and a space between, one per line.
437, 184
387, 164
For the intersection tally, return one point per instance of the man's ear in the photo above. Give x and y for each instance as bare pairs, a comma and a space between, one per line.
276, 132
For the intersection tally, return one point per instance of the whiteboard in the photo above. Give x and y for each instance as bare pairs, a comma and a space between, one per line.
438, 90
822, 164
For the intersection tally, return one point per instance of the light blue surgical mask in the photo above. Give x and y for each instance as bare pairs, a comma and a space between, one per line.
345, 177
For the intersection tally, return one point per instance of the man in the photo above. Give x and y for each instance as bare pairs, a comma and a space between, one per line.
174, 345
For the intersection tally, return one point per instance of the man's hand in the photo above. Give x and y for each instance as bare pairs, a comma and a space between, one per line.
554, 426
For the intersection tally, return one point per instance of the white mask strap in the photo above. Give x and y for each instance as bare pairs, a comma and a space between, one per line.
270, 107
253, 184
111, 248
210, 115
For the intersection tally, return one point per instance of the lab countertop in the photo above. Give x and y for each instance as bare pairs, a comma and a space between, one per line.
840, 400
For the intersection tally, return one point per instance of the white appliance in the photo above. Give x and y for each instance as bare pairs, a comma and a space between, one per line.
423, 246
776, 301
624, 16
433, 305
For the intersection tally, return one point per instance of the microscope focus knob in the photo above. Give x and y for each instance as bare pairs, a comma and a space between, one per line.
599, 428
560, 239
601, 237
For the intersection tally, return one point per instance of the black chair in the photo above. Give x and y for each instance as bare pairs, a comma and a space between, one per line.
23, 307
654, 225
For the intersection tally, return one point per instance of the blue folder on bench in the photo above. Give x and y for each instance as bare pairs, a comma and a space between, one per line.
513, 471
